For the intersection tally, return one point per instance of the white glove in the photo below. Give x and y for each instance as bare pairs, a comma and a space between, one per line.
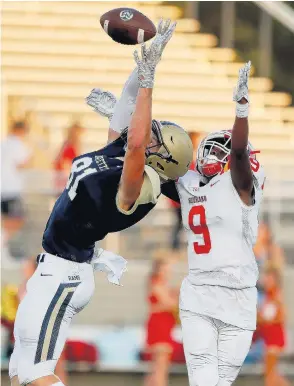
110, 263
241, 91
164, 32
146, 68
151, 57
103, 102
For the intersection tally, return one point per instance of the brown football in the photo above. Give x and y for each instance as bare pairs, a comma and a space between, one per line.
127, 26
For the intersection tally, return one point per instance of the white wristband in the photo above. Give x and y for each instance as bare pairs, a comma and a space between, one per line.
242, 110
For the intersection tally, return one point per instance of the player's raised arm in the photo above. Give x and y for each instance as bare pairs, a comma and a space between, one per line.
125, 106
239, 160
119, 112
139, 132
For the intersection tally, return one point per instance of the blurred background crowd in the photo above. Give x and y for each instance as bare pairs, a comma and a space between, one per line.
53, 54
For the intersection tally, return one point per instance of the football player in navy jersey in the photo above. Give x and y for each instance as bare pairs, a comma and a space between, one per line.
108, 190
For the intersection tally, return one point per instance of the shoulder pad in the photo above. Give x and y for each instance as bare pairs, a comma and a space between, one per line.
191, 180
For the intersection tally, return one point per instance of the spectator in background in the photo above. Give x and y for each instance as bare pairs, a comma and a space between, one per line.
267, 252
271, 326
15, 155
9, 304
163, 302
70, 149
176, 232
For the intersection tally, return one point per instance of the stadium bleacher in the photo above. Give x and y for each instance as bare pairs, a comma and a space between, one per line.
55, 67
53, 55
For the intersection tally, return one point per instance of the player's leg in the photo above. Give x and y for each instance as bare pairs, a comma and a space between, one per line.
200, 338
272, 375
60, 369
14, 381
44, 316
161, 362
233, 346
13, 364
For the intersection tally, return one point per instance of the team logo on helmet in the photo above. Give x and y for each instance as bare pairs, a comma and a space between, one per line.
126, 15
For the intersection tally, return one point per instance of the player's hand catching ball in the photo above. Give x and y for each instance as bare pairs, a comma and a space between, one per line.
164, 33
151, 57
103, 102
240, 95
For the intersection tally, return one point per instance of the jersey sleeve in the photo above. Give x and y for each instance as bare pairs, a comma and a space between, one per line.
150, 191
183, 183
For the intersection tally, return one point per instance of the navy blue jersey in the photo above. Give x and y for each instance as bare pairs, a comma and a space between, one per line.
86, 211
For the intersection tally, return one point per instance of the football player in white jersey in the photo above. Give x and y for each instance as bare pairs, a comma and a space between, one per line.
220, 203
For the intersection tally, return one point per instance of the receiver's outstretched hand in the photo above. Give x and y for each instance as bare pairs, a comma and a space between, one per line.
241, 90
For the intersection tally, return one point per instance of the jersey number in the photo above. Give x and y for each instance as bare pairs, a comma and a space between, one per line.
200, 229
255, 165
78, 165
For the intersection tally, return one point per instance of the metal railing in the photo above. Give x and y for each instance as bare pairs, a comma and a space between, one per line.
280, 11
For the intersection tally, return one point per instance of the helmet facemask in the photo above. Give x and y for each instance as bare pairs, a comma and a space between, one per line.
162, 151
170, 150
213, 153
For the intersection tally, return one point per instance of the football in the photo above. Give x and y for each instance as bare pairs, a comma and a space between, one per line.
127, 26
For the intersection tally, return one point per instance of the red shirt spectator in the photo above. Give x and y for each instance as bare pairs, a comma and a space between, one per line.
161, 349
271, 327
69, 150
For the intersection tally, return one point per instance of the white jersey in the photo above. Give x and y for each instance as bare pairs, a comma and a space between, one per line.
221, 233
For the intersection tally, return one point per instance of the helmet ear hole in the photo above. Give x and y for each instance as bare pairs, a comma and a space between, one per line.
160, 166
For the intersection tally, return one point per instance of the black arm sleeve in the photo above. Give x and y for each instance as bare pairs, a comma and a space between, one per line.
169, 190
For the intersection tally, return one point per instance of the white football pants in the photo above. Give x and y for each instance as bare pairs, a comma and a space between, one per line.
214, 351
55, 293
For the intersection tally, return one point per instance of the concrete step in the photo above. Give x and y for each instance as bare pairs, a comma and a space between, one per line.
189, 97
65, 12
